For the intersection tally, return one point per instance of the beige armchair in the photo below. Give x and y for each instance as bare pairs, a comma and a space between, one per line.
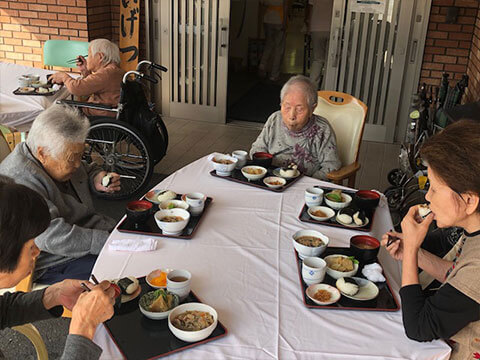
346, 115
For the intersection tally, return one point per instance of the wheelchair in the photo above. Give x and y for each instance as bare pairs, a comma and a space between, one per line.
133, 142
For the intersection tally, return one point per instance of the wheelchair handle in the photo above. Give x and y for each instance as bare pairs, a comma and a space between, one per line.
151, 64
140, 75
149, 78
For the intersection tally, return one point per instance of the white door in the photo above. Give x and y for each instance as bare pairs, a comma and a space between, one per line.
368, 58
193, 45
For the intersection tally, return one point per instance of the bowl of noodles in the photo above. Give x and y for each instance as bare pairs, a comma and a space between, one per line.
172, 221
309, 243
223, 164
192, 321
253, 173
341, 266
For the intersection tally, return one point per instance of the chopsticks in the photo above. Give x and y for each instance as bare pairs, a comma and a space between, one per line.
85, 285
73, 61
391, 239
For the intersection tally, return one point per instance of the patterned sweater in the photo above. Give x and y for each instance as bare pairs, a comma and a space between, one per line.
313, 149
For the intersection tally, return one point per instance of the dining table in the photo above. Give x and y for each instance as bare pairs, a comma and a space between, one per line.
19, 111
243, 264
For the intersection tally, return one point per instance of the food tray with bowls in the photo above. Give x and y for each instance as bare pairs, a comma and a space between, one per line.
46, 89
336, 221
150, 227
384, 301
138, 337
237, 176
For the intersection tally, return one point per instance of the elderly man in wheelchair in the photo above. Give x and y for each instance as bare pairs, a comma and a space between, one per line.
50, 162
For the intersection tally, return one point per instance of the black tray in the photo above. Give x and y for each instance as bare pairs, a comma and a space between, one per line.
238, 177
34, 93
151, 228
303, 216
385, 301
138, 337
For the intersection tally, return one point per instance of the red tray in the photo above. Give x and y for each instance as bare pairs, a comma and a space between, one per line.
385, 301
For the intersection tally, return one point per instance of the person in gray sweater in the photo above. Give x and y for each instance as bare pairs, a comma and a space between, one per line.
50, 162
295, 135
23, 216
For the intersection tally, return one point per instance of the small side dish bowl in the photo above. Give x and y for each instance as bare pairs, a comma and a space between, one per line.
315, 213
157, 279
274, 182
313, 196
223, 164
308, 251
168, 227
192, 336
347, 199
154, 315
336, 274
365, 248
334, 294
174, 204
366, 199
253, 177
263, 159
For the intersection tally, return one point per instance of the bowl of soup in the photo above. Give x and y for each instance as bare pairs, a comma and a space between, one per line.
262, 159
365, 248
192, 322
139, 210
366, 199
172, 221
309, 243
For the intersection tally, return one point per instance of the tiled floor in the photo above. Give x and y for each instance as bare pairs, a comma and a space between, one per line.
190, 140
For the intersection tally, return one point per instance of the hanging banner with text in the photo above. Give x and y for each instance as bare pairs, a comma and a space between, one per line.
129, 33
368, 6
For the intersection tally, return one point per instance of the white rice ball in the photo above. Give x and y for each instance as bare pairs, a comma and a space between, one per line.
348, 288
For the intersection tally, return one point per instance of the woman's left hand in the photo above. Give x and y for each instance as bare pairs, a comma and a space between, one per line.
114, 182
64, 293
414, 232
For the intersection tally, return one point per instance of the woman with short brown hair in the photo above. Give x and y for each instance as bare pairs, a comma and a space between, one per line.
453, 312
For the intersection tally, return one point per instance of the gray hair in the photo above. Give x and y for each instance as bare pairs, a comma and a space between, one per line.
305, 85
110, 51
55, 127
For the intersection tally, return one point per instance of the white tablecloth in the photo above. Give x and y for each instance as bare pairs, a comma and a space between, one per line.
21, 110
243, 264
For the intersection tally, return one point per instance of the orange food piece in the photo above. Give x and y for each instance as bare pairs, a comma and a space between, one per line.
160, 280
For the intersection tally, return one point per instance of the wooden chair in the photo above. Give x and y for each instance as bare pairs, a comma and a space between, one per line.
346, 115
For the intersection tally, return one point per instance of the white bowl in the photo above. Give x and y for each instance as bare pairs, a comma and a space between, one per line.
326, 210
254, 177
174, 204
192, 336
32, 77
308, 251
172, 228
312, 289
339, 205
38, 84
338, 274
157, 315
268, 180
223, 169
313, 196
154, 274
24, 81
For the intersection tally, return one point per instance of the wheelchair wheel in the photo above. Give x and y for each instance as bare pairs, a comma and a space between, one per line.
118, 147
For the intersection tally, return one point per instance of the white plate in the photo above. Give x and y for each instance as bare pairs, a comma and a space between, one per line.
352, 224
152, 196
276, 172
127, 298
367, 290
312, 289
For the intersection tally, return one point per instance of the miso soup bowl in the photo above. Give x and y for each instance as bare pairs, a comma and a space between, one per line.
172, 228
359, 244
192, 336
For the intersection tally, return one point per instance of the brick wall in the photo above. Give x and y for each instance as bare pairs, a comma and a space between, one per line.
473, 90
26, 24
447, 46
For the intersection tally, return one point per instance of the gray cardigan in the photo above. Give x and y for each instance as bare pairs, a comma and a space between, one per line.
21, 308
76, 229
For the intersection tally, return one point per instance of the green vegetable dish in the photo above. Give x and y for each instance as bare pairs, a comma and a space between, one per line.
335, 195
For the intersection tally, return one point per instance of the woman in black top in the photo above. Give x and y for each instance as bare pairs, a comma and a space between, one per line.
453, 312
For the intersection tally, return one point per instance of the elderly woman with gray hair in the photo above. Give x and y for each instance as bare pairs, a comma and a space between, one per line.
101, 76
50, 162
298, 136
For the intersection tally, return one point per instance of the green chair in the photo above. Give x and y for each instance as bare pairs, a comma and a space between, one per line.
61, 52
